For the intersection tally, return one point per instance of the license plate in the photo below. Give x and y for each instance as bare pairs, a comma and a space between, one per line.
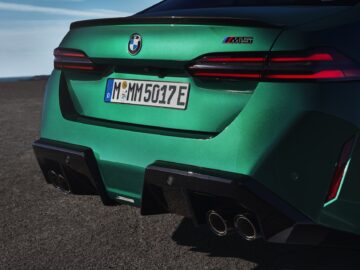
148, 93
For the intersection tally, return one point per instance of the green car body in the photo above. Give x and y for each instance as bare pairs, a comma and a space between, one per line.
286, 136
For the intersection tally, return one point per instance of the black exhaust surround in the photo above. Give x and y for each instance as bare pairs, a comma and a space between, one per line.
77, 164
193, 191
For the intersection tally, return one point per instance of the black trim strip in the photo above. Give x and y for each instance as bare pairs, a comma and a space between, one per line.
226, 21
161, 68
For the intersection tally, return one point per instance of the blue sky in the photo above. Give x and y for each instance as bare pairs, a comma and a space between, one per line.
31, 29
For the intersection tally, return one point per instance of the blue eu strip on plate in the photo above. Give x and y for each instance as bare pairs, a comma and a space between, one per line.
108, 91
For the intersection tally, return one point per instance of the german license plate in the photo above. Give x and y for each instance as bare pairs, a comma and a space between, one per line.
148, 93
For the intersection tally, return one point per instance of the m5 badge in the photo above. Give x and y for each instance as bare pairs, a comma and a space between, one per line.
239, 40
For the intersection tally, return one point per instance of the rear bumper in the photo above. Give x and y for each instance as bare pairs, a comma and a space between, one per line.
186, 190
193, 191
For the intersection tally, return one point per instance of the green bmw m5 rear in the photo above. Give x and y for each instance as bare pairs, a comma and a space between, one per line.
242, 115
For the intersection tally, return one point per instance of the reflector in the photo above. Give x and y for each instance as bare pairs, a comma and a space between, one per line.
340, 171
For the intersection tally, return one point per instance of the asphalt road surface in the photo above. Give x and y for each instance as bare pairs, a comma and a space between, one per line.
40, 228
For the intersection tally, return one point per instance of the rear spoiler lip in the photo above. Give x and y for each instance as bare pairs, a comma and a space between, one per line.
225, 21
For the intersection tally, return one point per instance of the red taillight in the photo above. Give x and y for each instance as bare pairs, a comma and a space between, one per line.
326, 74
340, 171
318, 57
327, 65
237, 66
72, 60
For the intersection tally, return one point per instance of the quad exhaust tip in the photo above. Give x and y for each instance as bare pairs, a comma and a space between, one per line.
245, 227
243, 224
59, 182
217, 224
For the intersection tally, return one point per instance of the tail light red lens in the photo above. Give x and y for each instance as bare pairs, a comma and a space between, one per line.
69, 59
340, 171
315, 57
315, 65
326, 74
236, 66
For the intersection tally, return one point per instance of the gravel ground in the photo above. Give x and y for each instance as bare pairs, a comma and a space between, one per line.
41, 228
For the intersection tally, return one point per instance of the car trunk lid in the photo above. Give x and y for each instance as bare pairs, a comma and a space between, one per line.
168, 47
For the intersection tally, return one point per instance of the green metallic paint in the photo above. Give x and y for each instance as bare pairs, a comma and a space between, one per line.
261, 142
172, 42
86, 96
111, 42
286, 135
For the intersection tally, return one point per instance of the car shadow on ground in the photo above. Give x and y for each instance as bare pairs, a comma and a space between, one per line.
269, 256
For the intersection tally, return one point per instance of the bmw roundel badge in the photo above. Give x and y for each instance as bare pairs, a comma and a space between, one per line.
135, 44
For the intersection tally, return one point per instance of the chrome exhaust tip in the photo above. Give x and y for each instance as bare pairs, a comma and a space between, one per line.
245, 227
59, 182
217, 224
